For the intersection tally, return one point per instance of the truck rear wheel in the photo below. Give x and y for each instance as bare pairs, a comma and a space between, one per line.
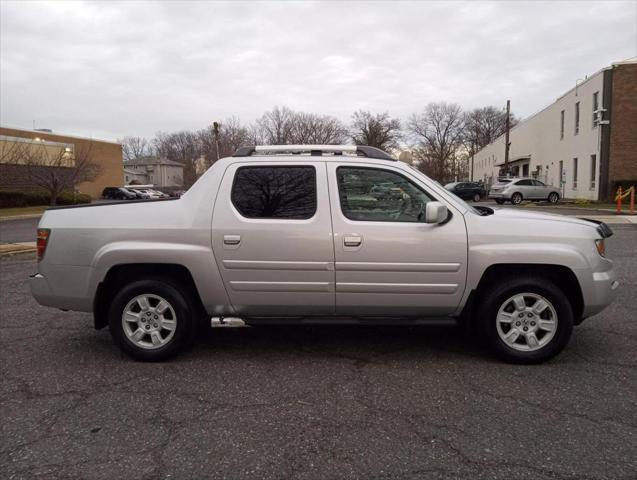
151, 320
525, 320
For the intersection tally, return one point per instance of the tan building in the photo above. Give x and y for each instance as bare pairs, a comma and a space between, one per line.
585, 142
61, 151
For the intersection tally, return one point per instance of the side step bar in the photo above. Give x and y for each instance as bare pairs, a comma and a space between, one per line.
226, 322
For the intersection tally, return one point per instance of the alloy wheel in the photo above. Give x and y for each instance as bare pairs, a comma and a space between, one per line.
526, 322
149, 321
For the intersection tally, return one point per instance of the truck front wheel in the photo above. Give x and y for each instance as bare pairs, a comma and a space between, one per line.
151, 320
525, 320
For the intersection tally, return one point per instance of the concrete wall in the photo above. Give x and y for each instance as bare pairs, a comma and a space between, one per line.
107, 154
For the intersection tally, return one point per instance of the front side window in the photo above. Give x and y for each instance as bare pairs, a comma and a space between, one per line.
286, 192
525, 183
537, 183
374, 195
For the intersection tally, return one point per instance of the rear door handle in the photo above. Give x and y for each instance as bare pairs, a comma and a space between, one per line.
352, 241
231, 239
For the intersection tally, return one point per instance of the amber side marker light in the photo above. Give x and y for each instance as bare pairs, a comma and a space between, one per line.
601, 247
42, 240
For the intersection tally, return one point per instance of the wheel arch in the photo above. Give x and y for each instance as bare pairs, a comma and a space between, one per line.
121, 274
559, 274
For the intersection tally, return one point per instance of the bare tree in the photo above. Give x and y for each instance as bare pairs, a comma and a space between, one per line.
275, 127
56, 169
438, 134
135, 147
379, 130
484, 125
231, 136
311, 128
183, 147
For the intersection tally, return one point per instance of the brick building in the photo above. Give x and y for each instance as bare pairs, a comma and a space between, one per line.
585, 142
13, 171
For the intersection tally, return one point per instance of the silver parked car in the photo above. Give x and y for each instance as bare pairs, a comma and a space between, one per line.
517, 189
313, 234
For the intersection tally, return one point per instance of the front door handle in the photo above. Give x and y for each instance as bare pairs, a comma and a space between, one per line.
231, 239
352, 241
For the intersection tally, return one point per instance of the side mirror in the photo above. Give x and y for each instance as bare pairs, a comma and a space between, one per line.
435, 212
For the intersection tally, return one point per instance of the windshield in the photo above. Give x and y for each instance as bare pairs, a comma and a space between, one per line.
451, 185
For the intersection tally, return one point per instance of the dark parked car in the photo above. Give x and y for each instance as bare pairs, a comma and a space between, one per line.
467, 190
118, 193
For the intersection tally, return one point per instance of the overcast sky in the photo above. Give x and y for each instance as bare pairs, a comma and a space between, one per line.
134, 68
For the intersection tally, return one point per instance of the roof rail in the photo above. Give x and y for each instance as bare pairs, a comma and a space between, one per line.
315, 150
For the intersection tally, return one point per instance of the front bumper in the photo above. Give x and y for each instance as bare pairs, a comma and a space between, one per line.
601, 292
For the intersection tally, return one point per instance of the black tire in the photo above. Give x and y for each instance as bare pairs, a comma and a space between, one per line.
516, 198
499, 201
476, 197
554, 198
179, 300
497, 295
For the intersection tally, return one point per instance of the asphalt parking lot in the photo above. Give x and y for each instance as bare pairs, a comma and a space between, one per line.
315, 403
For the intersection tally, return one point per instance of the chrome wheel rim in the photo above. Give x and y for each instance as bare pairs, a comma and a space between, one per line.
526, 322
149, 321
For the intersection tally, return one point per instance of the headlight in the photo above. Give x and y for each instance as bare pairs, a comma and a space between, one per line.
601, 247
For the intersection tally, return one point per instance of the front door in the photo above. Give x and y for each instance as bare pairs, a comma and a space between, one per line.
388, 261
272, 238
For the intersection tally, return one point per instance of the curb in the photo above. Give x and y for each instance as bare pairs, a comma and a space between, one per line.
15, 248
20, 217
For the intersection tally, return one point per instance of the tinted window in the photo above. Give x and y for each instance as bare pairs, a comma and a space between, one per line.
275, 192
371, 194
538, 183
524, 183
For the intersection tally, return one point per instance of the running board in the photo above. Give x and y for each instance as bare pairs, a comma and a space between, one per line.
226, 322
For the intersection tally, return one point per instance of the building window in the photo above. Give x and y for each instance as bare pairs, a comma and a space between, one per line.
562, 125
575, 174
595, 108
576, 118
561, 179
593, 170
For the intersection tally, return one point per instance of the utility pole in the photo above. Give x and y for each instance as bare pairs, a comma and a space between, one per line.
215, 132
506, 139
473, 154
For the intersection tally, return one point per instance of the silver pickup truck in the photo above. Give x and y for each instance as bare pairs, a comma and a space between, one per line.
322, 234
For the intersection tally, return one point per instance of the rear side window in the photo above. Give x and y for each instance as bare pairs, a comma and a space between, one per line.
525, 183
275, 192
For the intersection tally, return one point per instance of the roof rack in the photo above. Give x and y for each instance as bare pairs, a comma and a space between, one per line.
315, 150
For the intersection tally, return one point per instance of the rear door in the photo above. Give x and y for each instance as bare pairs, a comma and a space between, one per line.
526, 188
272, 238
388, 262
